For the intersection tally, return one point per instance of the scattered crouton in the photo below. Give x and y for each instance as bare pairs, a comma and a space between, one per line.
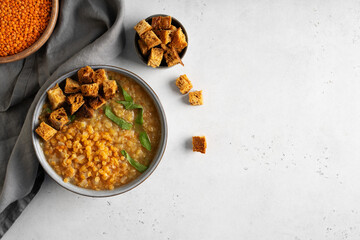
155, 58
172, 57
184, 84
150, 39
75, 101
100, 76
109, 87
178, 40
196, 98
85, 112
71, 86
90, 90
58, 118
56, 96
142, 27
161, 22
86, 75
199, 144
143, 47
45, 131
97, 102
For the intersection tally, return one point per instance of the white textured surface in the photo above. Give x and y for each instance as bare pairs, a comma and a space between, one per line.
282, 117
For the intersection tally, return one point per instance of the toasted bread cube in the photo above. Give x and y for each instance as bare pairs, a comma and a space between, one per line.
85, 112
86, 75
143, 47
71, 86
58, 118
178, 40
100, 76
161, 22
164, 35
56, 96
109, 87
199, 144
90, 90
97, 102
150, 39
155, 58
75, 101
172, 29
45, 131
142, 27
184, 84
172, 57
196, 98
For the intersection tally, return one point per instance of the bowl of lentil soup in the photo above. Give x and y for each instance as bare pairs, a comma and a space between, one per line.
100, 156
25, 26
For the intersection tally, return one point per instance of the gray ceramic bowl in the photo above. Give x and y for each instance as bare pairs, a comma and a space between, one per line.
122, 189
174, 22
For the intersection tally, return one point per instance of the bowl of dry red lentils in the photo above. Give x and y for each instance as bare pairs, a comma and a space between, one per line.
25, 26
99, 130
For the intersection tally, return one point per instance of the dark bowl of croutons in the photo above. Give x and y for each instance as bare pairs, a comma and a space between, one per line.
160, 41
99, 130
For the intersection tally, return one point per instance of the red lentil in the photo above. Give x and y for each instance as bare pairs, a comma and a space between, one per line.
22, 23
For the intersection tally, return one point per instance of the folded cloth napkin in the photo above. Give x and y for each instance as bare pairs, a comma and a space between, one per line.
87, 32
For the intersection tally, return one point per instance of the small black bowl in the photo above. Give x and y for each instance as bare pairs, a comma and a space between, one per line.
174, 22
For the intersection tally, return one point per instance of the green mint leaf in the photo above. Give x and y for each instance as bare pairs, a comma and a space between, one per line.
138, 166
119, 121
145, 141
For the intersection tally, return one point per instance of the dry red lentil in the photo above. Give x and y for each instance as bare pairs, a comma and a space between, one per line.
22, 23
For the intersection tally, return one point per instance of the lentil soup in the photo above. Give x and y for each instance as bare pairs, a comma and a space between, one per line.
88, 151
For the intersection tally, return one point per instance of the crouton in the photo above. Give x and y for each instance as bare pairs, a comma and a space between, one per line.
75, 101
196, 98
45, 131
85, 112
109, 87
86, 75
58, 118
150, 39
161, 22
142, 27
178, 40
172, 57
199, 144
143, 47
97, 102
90, 90
71, 86
164, 35
100, 76
184, 84
172, 29
56, 97
156, 56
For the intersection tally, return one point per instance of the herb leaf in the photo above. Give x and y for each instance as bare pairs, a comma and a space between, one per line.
48, 110
138, 166
129, 105
127, 96
119, 121
72, 118
144, 140
139, 118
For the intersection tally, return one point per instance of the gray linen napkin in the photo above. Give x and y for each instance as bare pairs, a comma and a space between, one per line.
87, 32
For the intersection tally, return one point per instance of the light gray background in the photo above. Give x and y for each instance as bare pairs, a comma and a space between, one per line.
281, 81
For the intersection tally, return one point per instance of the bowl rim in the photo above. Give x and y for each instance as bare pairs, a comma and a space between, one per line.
116, 191
41, 40
137, 37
